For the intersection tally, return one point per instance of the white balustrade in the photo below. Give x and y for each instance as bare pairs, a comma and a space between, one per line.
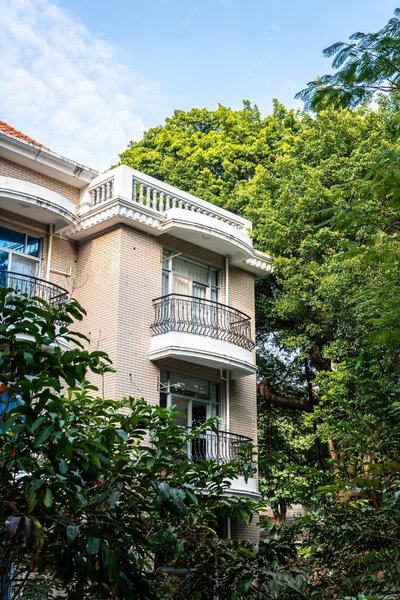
158, 199
102, 192
141, 189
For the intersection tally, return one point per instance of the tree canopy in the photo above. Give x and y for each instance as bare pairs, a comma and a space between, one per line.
369, 63
322, 192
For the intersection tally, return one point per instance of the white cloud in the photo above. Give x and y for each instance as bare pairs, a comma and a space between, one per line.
66, 88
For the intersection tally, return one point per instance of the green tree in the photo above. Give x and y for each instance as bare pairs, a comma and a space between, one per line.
212, 154
97, 497
369, 63
324, 202
87, 505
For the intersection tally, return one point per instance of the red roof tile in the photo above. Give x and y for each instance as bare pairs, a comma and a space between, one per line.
11, 131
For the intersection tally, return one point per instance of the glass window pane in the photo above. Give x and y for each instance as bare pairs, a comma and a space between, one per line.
192, 270
181, 405
23, 265
199, 291
3, 260
165, 283
199, 414
163, 399
33, 246
12, 239
182, 286
189, 386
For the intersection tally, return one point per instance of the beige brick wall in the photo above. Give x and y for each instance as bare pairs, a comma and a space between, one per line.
250, 532
140, 281
118, 275
11, 169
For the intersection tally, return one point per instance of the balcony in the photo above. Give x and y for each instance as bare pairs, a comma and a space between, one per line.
36, 202
202, 332
124, 195
33, 286
222, 446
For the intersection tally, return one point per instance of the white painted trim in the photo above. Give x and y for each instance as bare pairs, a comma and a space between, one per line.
239, 487
25, 192
43, 160
202, 350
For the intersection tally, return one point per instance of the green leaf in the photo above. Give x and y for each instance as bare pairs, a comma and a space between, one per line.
48, 498
44, 435
62, 466
72, 533
37, 423
93, 545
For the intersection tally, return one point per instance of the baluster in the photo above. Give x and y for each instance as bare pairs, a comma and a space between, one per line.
103, 192
98, 195
134, 190
141, 193
155, 199
180, 203
161, 204
108, 189
167, 202
92, 197
148, 196
173, 202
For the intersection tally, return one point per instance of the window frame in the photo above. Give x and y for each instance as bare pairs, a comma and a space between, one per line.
34, 260
212, 287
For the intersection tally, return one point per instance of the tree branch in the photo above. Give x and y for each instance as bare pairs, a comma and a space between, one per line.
265, 393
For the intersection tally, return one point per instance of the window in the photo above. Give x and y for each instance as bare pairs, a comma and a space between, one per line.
188, 278
19, 253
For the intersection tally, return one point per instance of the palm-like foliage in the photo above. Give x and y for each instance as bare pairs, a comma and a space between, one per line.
369, 63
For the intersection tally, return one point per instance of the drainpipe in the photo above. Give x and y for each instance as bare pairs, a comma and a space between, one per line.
49, 252
228, 528
227, 395
227, 280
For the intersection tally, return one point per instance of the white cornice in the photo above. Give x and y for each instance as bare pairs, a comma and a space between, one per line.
45, 161
111, 213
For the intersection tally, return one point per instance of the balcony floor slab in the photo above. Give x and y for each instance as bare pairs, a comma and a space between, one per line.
217, 354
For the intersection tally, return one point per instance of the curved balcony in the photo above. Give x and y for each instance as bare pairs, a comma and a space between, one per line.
124, 195
222, 446
202, 332
33, 286
36, 202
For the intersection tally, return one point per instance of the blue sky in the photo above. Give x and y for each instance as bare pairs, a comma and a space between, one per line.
86, 76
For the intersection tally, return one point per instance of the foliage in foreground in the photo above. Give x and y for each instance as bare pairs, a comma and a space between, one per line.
97, 497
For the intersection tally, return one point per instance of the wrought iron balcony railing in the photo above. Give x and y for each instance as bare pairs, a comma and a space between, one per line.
33, 286
222, 446
176, 312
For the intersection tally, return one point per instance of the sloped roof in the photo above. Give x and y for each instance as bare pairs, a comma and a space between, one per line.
11, 131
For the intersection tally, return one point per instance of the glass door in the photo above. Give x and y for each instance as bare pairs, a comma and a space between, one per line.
199, 444
193, 413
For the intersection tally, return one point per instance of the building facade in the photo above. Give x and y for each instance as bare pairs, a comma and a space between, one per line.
166, 278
